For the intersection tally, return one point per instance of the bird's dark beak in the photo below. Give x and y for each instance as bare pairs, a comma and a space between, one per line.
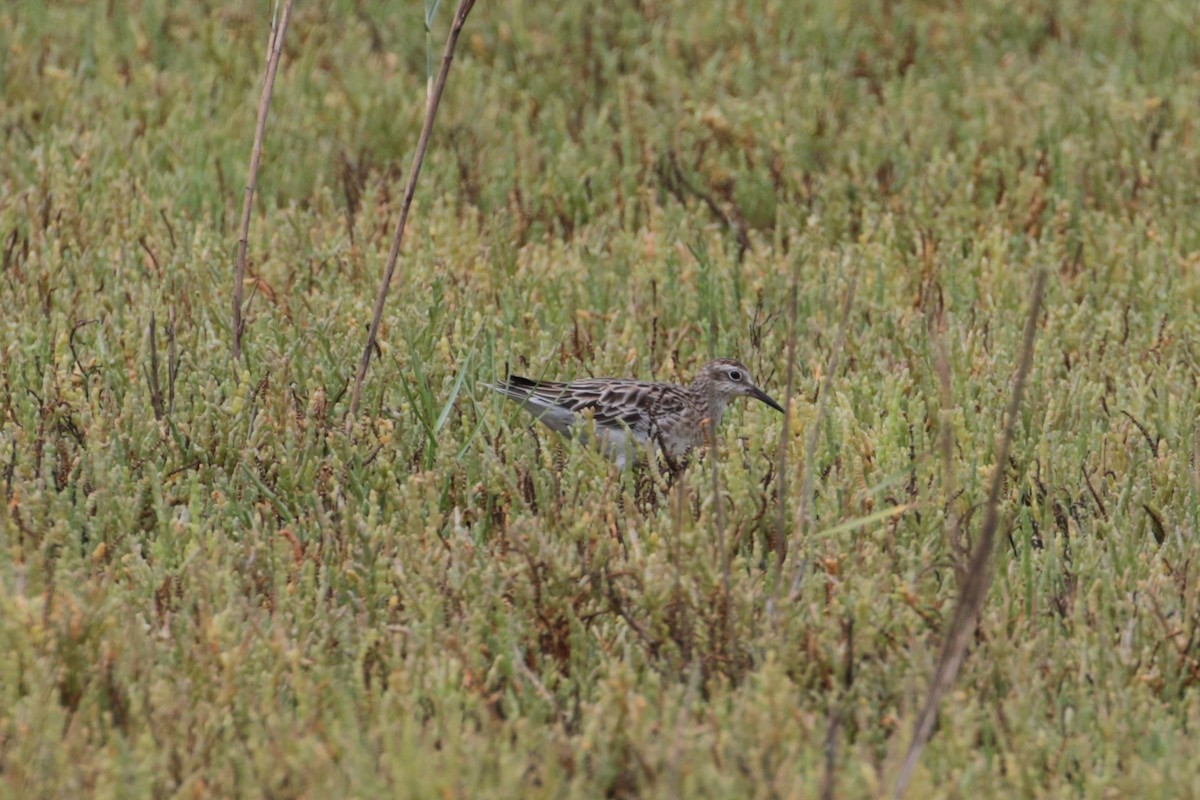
759, 394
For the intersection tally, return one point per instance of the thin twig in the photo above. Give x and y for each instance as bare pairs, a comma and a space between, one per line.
9, 472
162, 212
941, 362
974, 589
1096, 497
785, 436
152, 378
264, 104
83, 371
431, 107
150, 254
172, 360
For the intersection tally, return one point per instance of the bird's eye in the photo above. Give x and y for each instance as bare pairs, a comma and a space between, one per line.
734, 375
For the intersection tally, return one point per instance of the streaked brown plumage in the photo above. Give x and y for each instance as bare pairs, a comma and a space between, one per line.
633, 415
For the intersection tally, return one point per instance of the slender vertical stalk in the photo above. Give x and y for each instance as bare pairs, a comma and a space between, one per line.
785, 435
275, 50
152, 377
941, 362
172, 360
975, 587
431, 107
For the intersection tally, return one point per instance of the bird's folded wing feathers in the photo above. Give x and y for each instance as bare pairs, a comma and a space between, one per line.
613, 404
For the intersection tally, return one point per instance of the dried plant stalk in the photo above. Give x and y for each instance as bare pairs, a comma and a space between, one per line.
264, 104
786, 434
936, 328
431, 107
978, 578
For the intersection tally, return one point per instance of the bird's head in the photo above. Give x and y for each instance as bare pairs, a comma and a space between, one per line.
725, 379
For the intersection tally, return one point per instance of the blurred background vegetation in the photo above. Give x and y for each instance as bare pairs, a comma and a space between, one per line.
208, 588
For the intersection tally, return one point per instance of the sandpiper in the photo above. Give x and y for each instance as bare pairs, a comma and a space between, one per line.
632, 416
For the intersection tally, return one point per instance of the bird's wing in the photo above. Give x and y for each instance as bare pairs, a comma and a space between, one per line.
542, 399
614, 404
